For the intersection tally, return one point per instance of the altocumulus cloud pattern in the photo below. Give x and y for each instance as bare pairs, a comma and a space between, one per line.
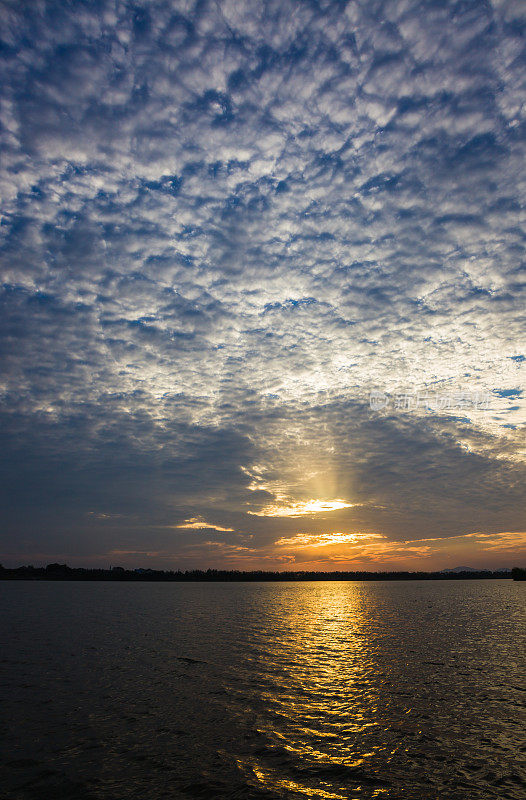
223, 225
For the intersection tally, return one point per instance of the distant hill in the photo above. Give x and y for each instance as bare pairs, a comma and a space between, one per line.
473, 569
464, 569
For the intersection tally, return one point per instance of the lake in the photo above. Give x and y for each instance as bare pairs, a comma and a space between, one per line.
268, 690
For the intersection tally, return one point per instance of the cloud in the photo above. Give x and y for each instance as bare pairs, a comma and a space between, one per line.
362, 551
200, 525
223, 225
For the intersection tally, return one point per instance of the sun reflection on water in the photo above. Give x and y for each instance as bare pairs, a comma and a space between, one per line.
317, 694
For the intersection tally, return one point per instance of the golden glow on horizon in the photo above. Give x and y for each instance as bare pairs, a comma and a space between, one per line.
324, 539
335, 551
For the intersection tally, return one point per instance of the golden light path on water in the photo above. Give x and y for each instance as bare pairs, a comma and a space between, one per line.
319, 691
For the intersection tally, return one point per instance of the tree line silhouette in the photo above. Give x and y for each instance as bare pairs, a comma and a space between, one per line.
59, 572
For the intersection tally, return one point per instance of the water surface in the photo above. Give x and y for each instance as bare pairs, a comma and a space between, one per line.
271, 690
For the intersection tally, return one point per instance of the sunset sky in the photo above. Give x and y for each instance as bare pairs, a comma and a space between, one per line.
262, 299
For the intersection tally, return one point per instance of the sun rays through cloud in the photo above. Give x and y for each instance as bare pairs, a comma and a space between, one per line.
302, 509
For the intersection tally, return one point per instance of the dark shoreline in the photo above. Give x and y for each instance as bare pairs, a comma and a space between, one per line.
61, 572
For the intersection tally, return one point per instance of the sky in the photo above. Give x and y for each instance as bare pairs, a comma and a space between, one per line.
262, 296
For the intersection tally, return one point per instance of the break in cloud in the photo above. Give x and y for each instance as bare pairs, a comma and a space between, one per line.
223, 225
